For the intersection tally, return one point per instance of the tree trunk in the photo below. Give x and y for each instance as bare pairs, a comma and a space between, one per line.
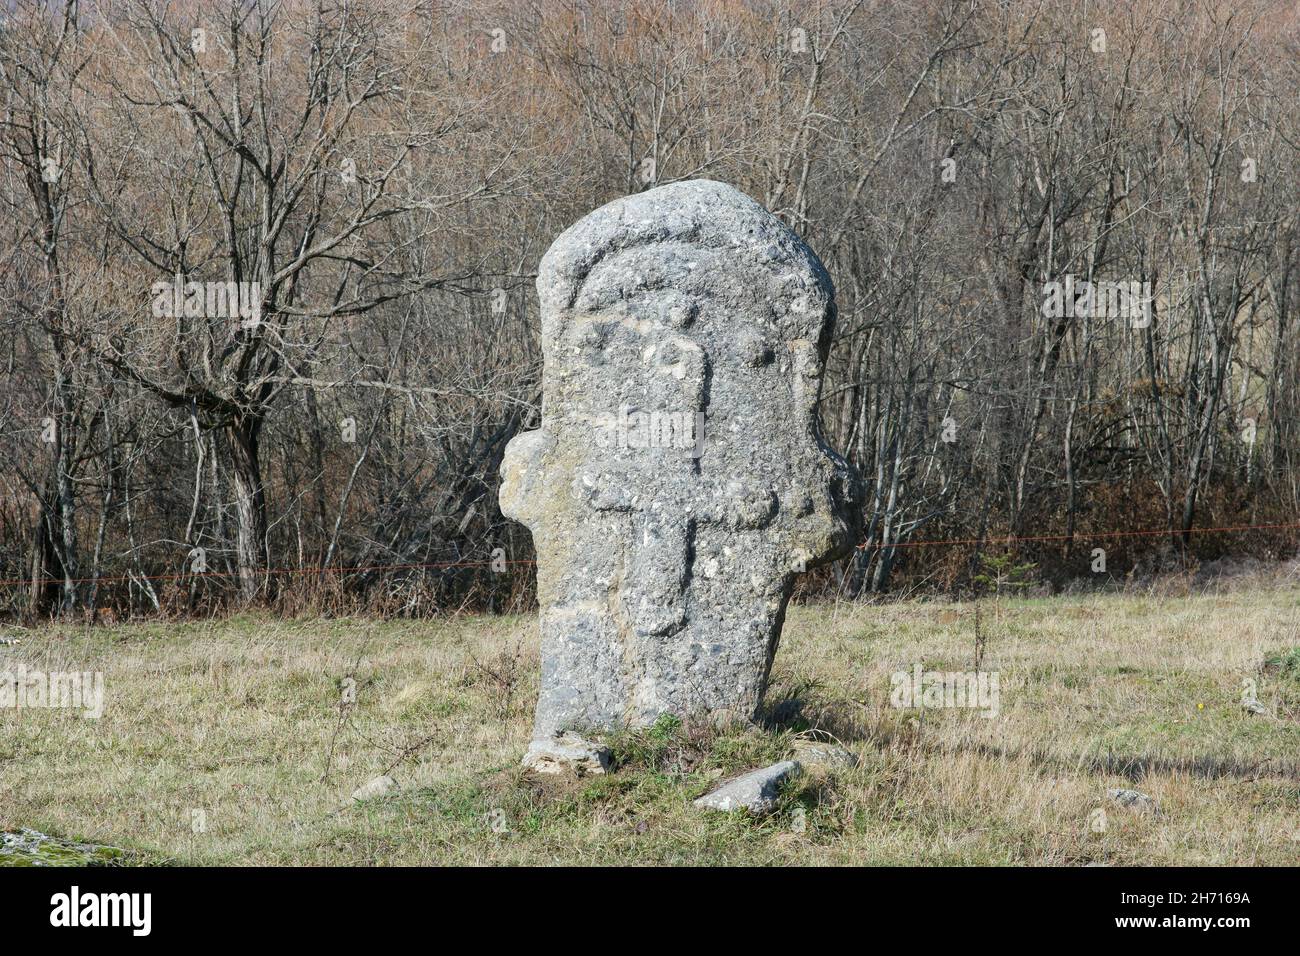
64, 459
43, 594
251, 555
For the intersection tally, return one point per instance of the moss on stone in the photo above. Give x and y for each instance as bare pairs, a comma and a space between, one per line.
27, 847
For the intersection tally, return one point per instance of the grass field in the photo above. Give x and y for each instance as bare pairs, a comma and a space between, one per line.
226, 743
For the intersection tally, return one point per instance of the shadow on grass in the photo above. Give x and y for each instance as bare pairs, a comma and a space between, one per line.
797, 706
1134, 767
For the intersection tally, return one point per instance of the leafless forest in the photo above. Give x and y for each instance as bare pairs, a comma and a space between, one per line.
375, 182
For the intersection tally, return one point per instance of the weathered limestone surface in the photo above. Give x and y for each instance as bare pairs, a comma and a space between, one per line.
822, 755
666, 556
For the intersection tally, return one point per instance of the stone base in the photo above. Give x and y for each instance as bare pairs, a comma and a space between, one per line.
567, 753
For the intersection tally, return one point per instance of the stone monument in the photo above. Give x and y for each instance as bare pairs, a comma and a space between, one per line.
679, 480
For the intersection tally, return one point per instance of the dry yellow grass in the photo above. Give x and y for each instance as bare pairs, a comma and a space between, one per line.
236, 724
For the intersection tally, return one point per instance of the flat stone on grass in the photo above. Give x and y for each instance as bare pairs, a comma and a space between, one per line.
1134, 800
819, 753
756, 791
377, 787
